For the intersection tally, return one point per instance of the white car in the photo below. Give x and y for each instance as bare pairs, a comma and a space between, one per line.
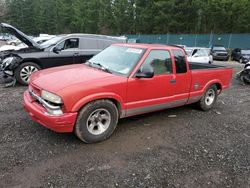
38, 40
199, 55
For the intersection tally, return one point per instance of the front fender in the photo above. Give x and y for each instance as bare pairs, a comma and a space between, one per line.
89, 98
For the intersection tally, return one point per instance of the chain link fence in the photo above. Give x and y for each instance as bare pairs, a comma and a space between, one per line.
230, 41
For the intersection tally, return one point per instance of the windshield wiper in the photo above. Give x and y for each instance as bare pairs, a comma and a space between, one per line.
99, 65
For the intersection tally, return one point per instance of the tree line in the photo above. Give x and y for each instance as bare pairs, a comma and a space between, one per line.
118, 17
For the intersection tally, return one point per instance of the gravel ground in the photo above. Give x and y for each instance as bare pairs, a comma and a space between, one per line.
180, 147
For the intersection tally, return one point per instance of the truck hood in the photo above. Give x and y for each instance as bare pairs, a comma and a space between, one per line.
58, 78
20, 35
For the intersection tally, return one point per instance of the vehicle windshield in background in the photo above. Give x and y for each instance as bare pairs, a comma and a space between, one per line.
219, 48
50, 42
245, 52
117, 59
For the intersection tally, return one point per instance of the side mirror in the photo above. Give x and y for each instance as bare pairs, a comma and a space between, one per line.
56, 50
146, 72
195, 55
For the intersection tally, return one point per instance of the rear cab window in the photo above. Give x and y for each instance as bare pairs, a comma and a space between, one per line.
180, 61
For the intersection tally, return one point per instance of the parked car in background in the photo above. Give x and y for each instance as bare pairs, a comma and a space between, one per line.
38, 40
58, 51
241, 55
121, 81
219, 52
197, 54
14, 42
6, 37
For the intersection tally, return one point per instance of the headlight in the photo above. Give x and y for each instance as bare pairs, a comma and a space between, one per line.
6, 62
51, 97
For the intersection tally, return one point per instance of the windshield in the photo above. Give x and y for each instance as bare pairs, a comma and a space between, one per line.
245, 52
118, 59
50, 42
219, 48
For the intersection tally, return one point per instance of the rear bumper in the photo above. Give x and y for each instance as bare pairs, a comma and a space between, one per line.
62, 123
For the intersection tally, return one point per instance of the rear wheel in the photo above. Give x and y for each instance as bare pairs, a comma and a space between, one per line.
96, 121
23, 72
208, 99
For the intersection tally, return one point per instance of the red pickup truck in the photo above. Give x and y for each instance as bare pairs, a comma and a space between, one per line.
123, 80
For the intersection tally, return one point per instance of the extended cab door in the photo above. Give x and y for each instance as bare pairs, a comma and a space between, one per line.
183, 76
149, 94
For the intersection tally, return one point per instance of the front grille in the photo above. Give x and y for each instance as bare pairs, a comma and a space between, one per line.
222, 54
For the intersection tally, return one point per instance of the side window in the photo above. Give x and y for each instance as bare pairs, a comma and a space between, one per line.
160, 61
180, 61
71, 43
68, 44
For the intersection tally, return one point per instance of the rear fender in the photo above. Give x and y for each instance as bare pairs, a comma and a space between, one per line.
217, 82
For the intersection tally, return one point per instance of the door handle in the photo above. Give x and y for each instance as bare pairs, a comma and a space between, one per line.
76, 54
172, 81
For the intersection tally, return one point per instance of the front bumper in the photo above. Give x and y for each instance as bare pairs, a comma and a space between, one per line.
61, 123
218, 57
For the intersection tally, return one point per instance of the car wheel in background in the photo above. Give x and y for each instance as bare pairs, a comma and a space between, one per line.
208, 99
23, 72
96, 121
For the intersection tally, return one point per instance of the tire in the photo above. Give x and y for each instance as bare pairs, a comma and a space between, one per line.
246, 80
208, 99
91, 127
23, 72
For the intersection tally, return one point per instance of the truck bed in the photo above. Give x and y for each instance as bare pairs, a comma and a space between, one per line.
197, 66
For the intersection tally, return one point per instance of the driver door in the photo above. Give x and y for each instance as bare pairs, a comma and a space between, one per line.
64, 53
149, 94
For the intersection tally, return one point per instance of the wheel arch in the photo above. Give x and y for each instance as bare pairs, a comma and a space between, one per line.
217, 83
116, 99
31, 60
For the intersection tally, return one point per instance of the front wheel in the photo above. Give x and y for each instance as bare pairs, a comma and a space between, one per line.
208, 99
96, 121
23, 72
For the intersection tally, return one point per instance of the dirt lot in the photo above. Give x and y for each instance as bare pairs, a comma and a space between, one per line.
193, 149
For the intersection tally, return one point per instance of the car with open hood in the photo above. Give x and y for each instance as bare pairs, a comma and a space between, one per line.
61, 50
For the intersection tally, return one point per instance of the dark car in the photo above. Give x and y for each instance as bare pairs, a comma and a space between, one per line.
58, 51
219, 52
241, 55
